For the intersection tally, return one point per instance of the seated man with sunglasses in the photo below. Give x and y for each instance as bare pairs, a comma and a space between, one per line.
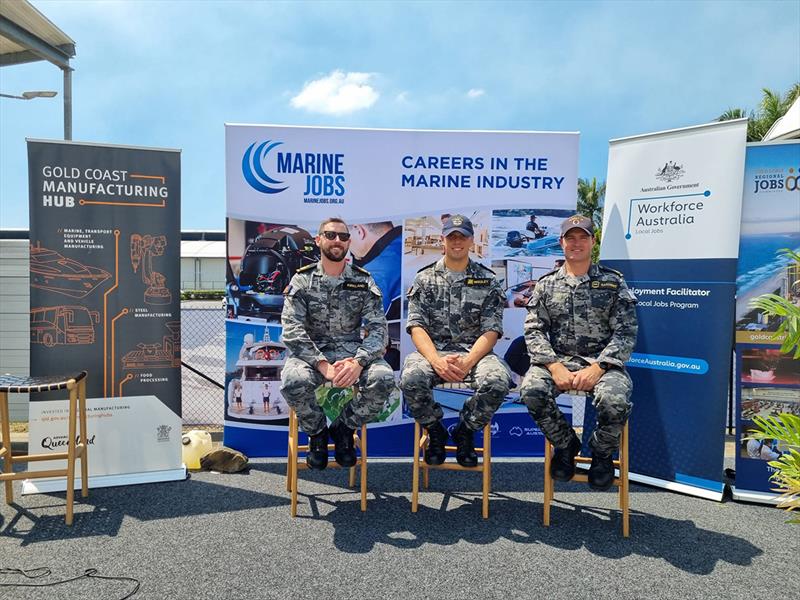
326, 305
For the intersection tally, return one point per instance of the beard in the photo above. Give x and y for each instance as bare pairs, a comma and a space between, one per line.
329, 253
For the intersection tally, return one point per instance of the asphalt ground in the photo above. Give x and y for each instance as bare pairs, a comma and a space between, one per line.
231, 536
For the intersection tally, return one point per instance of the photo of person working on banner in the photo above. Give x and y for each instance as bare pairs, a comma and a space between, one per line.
326, 305
455, 317
580, 329
377, 247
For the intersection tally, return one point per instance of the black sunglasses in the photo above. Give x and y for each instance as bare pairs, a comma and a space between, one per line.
332, 235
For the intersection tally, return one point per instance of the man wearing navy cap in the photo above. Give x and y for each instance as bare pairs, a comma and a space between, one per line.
580, 329
455, 317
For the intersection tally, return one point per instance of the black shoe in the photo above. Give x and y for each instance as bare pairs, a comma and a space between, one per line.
345, 450
562, 466
465, 445
601, 473
437, 438
317, 455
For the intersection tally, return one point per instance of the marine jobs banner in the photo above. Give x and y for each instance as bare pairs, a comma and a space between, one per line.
105, 298
393, 188
671, 225
767, 381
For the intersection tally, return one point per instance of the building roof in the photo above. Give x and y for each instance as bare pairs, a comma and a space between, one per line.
202, 249
26, 35
788, 126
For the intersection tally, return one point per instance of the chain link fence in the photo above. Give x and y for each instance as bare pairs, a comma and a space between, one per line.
203, 357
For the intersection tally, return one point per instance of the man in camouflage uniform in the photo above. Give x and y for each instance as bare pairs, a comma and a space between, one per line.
455, 316
580, 330
325, 306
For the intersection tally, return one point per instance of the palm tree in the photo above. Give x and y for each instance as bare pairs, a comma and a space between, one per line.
590, 199
771, 108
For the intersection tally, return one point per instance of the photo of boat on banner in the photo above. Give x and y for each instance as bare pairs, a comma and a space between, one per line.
527, 231
253, 375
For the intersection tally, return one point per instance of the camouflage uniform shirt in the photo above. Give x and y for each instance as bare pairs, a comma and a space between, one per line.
323, 316
455, 308
591, 317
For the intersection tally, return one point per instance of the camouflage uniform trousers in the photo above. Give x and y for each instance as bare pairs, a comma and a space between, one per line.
611, 399
489, 378
299, 380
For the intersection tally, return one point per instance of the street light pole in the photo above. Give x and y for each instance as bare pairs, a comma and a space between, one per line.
67, 103
31, 95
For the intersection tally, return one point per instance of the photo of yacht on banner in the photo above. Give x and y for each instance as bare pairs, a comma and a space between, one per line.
253, 386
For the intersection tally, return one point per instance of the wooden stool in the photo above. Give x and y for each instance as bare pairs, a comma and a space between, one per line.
294, 464
621, 481
484, 466
76, 384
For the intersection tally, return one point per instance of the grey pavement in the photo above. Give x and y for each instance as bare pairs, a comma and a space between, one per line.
231, 536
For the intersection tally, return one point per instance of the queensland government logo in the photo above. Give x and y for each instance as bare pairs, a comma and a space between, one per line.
671, 171
162, 433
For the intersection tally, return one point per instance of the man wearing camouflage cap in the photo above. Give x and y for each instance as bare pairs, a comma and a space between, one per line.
455, 316
580, 330
325, 306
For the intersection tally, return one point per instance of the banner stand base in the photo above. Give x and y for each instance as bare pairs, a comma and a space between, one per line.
43, 486
754, 496
682, 488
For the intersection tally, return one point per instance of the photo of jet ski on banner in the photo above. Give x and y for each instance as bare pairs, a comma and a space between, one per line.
526, 232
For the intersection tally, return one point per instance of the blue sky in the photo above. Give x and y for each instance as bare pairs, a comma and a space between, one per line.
171, 73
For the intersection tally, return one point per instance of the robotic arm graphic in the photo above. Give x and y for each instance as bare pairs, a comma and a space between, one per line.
143, 249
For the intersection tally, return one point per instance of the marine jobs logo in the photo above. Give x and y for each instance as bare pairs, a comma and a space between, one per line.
776, 179
323, 172
253, 168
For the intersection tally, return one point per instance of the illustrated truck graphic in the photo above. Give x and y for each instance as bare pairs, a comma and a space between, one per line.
55, 325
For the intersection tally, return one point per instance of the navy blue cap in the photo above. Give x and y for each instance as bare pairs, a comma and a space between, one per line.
458, 223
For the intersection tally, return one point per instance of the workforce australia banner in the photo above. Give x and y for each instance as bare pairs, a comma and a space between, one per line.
767, 381
671, 225
393, 188
105, 298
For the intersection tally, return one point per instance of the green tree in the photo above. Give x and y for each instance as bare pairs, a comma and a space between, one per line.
777, 306
590, 199
590, 204
771, 108
784, 427
786, 477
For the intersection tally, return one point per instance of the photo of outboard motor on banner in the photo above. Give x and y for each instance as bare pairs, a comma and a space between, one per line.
268, 264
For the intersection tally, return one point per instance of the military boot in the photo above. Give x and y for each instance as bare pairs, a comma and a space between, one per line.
317, 455
437, 438
562, 465
345, 450
463, 436
601, 473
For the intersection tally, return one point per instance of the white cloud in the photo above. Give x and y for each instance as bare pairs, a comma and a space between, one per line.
476, 93
402, 98
337, 94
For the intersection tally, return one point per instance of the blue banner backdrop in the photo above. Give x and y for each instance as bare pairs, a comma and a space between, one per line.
767, 382
671, 225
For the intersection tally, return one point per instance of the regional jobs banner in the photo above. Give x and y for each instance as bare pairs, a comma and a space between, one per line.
105, 298
671, 225
767, 381
393, 188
